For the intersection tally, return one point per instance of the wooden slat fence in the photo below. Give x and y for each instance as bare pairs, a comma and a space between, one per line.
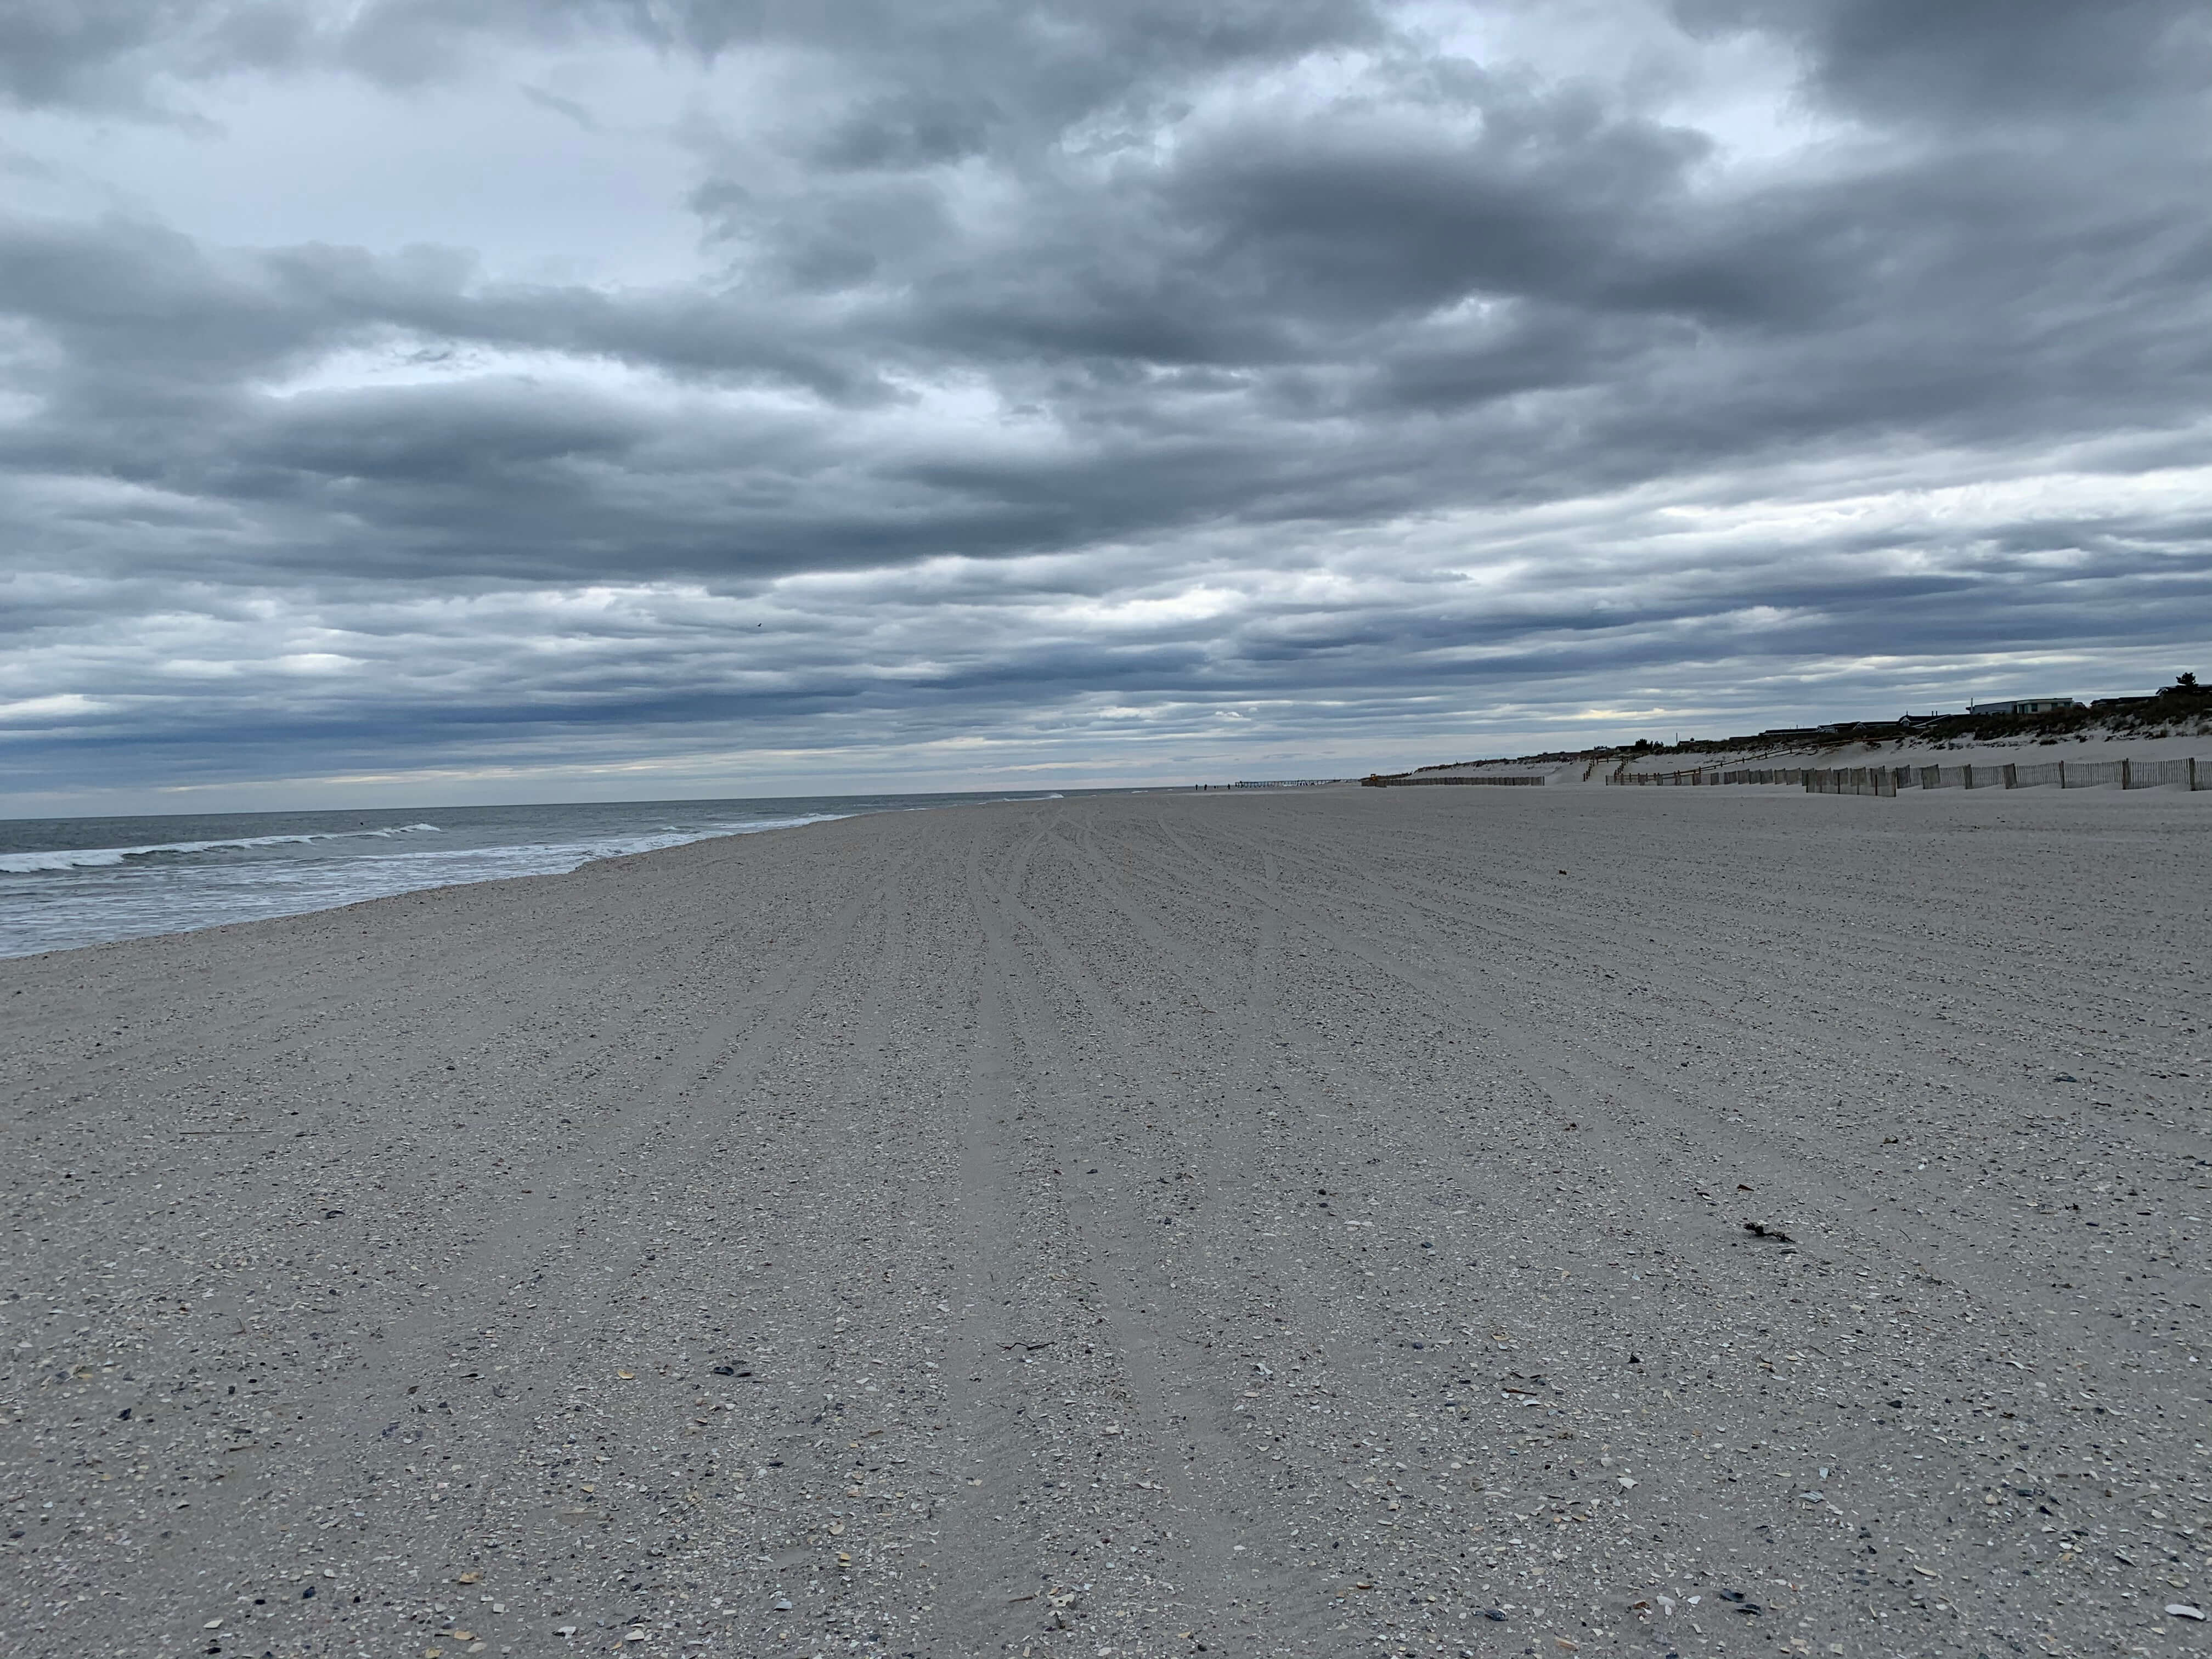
2189, 774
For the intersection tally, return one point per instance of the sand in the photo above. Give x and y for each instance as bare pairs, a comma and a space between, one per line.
1255, 1224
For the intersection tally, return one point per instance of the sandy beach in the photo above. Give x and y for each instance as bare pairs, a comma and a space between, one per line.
1310, 1221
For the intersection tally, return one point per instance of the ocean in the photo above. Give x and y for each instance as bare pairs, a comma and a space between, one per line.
70, 882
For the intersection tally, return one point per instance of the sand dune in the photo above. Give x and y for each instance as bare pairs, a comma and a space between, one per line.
1306, 1223
2185, 742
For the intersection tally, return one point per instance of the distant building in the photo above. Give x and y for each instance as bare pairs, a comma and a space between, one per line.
2024, 706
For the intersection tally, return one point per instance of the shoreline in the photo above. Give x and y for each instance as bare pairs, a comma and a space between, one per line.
94, 884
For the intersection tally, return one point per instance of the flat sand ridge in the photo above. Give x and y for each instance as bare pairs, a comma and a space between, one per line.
1308, 1223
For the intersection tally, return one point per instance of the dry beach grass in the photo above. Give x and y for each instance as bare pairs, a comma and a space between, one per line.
1310, 1223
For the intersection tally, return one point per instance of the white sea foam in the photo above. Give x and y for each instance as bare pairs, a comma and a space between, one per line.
57, 898
95, 858
623, 847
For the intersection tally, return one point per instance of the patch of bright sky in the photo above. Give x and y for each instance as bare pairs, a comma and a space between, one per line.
332, 158
1742, 90
1196, 604
48, 708
416, 359
959, 414
947, 405
1335, 84
1686, 520
2010, 503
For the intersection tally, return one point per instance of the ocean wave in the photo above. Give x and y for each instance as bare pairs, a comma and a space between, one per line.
749, 827
624, 846
96, 858
177, 886
499, 861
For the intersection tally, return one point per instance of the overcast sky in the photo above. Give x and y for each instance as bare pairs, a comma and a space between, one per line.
449, 400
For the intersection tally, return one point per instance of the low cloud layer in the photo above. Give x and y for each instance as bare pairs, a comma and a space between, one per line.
433, 402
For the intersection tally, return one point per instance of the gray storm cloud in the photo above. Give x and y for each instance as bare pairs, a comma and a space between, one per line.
559, 398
